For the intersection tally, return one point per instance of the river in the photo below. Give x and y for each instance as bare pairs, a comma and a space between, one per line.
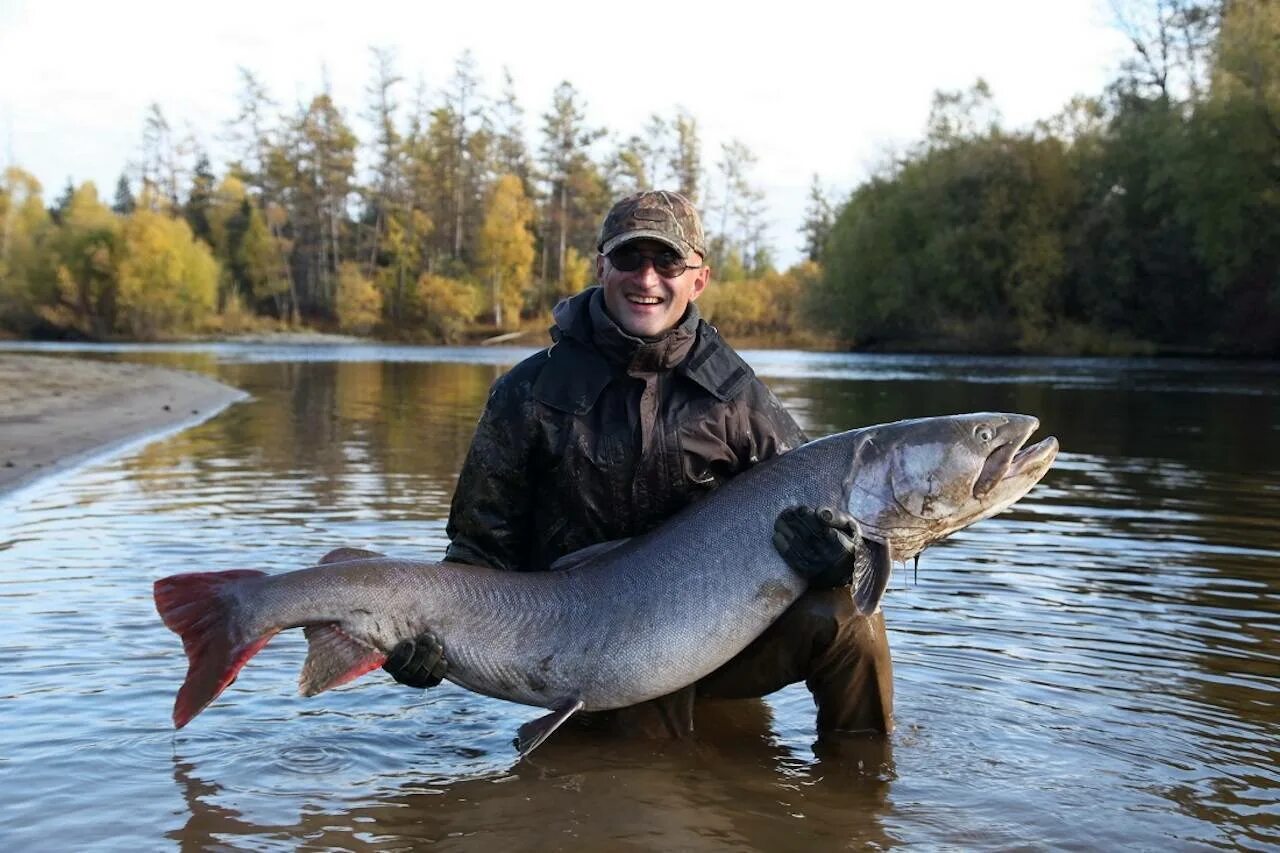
1097, 668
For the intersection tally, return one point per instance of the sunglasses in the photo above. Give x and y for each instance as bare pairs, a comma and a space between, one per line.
666, 263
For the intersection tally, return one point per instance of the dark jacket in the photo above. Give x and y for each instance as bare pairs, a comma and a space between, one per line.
603, 436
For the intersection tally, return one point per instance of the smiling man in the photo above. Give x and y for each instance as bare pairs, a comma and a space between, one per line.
636, 410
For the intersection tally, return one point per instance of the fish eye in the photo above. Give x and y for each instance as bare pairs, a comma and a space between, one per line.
984, 432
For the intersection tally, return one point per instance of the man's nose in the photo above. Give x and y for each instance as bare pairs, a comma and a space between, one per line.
647, 272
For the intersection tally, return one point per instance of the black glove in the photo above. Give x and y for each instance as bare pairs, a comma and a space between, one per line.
417, 663
821, 545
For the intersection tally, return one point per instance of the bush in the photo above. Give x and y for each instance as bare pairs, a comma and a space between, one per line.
359, 302
168, 281
444, 307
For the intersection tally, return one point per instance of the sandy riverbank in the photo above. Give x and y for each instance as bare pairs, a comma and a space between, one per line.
56, 412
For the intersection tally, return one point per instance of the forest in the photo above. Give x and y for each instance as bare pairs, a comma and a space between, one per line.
1142, 219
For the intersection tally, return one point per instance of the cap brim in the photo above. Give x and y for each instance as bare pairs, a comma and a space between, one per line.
627, 236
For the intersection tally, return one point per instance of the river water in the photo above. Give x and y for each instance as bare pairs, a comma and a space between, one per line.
1097, 668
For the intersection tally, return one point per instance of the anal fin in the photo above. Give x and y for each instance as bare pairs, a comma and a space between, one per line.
534, 732
334, 657
871, 577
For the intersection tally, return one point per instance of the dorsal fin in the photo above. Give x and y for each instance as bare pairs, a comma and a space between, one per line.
568, 561
341, 555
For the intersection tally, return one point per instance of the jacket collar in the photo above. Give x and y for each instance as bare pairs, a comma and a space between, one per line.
585, 355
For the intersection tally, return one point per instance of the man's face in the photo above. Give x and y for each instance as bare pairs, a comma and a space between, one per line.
644, 303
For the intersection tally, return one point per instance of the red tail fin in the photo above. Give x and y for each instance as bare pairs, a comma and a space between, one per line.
195, 607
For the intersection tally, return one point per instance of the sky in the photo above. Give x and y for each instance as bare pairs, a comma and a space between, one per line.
824, 88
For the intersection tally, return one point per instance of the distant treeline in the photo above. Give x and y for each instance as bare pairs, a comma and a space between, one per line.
444, 218
1144, 219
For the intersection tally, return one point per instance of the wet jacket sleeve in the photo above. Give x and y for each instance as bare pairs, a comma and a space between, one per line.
767, 428
491, 516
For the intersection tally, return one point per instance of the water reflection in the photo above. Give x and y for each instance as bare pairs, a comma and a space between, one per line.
734, 786
1099, 667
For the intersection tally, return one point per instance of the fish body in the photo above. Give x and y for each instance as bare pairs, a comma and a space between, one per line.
691, 594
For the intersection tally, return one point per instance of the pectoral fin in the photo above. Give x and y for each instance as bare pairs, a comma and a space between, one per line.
334, 657
534, 732
871, 577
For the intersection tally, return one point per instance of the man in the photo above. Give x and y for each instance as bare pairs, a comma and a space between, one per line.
638, 409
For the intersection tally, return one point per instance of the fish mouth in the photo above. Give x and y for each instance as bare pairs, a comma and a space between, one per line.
1012, 460
1033, 459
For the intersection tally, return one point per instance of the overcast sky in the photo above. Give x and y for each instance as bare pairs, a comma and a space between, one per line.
823, 87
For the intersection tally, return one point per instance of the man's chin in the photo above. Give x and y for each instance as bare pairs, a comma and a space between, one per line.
646, 326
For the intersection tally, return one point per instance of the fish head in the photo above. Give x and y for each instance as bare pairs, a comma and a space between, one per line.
925, 479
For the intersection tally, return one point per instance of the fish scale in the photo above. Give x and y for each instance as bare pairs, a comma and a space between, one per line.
617, 625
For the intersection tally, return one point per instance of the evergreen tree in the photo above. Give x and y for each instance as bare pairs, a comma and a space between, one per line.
387, 188
124, 203
59, 208
685, 155
199, 199
567, 167
818, 217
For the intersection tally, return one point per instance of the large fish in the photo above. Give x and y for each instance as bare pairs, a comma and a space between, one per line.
690, 594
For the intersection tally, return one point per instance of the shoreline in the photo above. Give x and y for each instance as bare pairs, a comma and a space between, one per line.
58, 412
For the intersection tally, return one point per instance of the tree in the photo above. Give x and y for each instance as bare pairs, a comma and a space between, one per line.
627, 167
505, 250
359, 303
252, 135
168, 280
960, 115
739, 240
469, 144
323, 150
59, 209
1229, 175
199, 199
27, 278
124, 201
567, 167
444, 306
164, 165
1173, 43
387, 188
85, 248
818, 217
510, 153
685, 155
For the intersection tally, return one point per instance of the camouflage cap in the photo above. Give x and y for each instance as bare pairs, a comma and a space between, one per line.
667, 217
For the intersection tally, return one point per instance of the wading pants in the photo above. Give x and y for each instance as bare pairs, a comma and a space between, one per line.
842, 657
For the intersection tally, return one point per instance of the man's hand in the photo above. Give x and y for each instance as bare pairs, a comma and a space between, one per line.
822, 545
418, 663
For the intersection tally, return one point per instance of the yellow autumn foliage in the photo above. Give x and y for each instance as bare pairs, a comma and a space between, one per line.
359, 302
770, 305
444, 307
167, 280
505, 250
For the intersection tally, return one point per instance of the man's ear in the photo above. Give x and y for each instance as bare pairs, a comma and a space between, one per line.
700, 283
599, 268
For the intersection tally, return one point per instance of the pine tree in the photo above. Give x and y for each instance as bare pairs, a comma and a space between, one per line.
818, 218
685, 155
124, 203
199, 199
567, 165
